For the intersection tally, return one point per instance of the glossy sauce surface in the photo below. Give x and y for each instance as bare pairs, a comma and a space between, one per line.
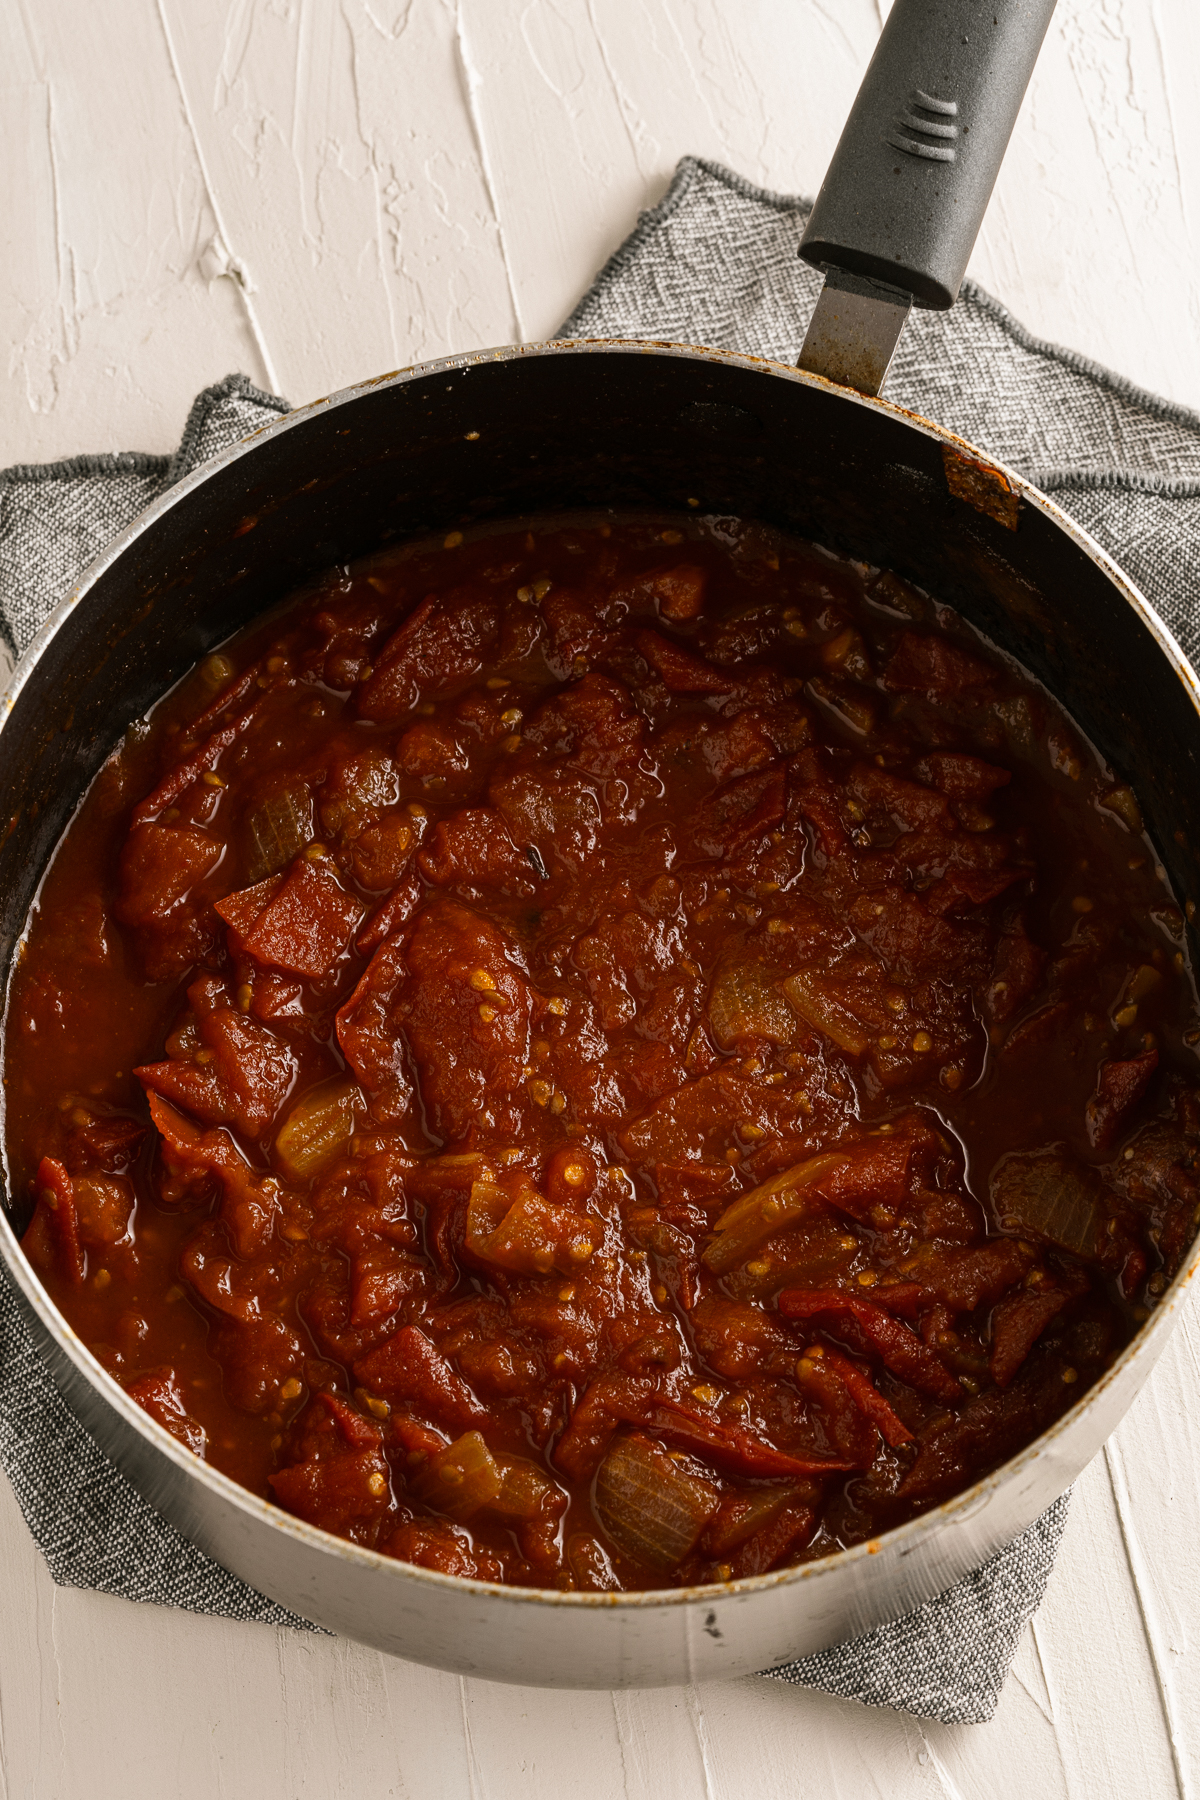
616, 1054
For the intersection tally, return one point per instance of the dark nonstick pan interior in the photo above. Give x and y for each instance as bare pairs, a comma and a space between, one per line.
559, 427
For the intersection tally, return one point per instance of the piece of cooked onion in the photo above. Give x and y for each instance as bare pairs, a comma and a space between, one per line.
589, 1564
318, 1128
530, 1237
486, 1207
746, 1003
741, 1515
765, 1210
1043, 1194
279, 827
653, 1509
464, 1478
847, 1011
526, 1491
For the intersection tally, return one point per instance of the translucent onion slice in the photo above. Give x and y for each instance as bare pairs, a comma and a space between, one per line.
1043, 1194
746, 1003
850, 1012
486, 1206
318, 1128
464, 1478
765, 1210
590, 1566
528, 1236
279, 828
653, 1509
741, 1515
527, 1493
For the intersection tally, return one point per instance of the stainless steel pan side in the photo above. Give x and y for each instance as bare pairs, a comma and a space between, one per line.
562, 426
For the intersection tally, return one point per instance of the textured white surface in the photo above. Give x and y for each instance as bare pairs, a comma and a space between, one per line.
317, 190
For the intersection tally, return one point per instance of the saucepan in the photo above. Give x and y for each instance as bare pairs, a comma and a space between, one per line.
549, 427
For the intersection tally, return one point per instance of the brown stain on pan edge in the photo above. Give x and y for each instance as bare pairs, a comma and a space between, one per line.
983, 486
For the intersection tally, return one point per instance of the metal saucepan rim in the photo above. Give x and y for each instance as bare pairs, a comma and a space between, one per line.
901, 1539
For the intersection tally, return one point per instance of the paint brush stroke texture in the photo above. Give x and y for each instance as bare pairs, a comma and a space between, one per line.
318, 190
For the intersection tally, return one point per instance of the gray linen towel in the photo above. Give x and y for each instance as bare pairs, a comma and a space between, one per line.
715, 263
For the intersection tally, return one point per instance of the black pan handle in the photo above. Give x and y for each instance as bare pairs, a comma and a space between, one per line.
914, 169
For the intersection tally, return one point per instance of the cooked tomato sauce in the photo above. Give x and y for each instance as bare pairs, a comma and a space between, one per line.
609, 1055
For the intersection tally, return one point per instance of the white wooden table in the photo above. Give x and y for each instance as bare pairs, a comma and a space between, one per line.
317, 190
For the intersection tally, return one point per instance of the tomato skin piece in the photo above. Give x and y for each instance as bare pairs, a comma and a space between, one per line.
910, 804
730, 1447
589, 1431
374, 1049
898, 1348
194, 766
416, 1441
875, 1174
924, 664
1019, 1320
962, 1279
76, 1213
682, 672
245, 1083
304, 923
1119, 1087
741, 811
407, 1368
158, 1393
57, 1220
819, 802
250, 1207
868, 1399
443, 639
962, 777
1016, 972
390, 915
762, 1552
907, 1298
594, 724
452, 996
612, 1399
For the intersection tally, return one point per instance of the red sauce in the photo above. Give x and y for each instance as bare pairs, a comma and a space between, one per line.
616, 1055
